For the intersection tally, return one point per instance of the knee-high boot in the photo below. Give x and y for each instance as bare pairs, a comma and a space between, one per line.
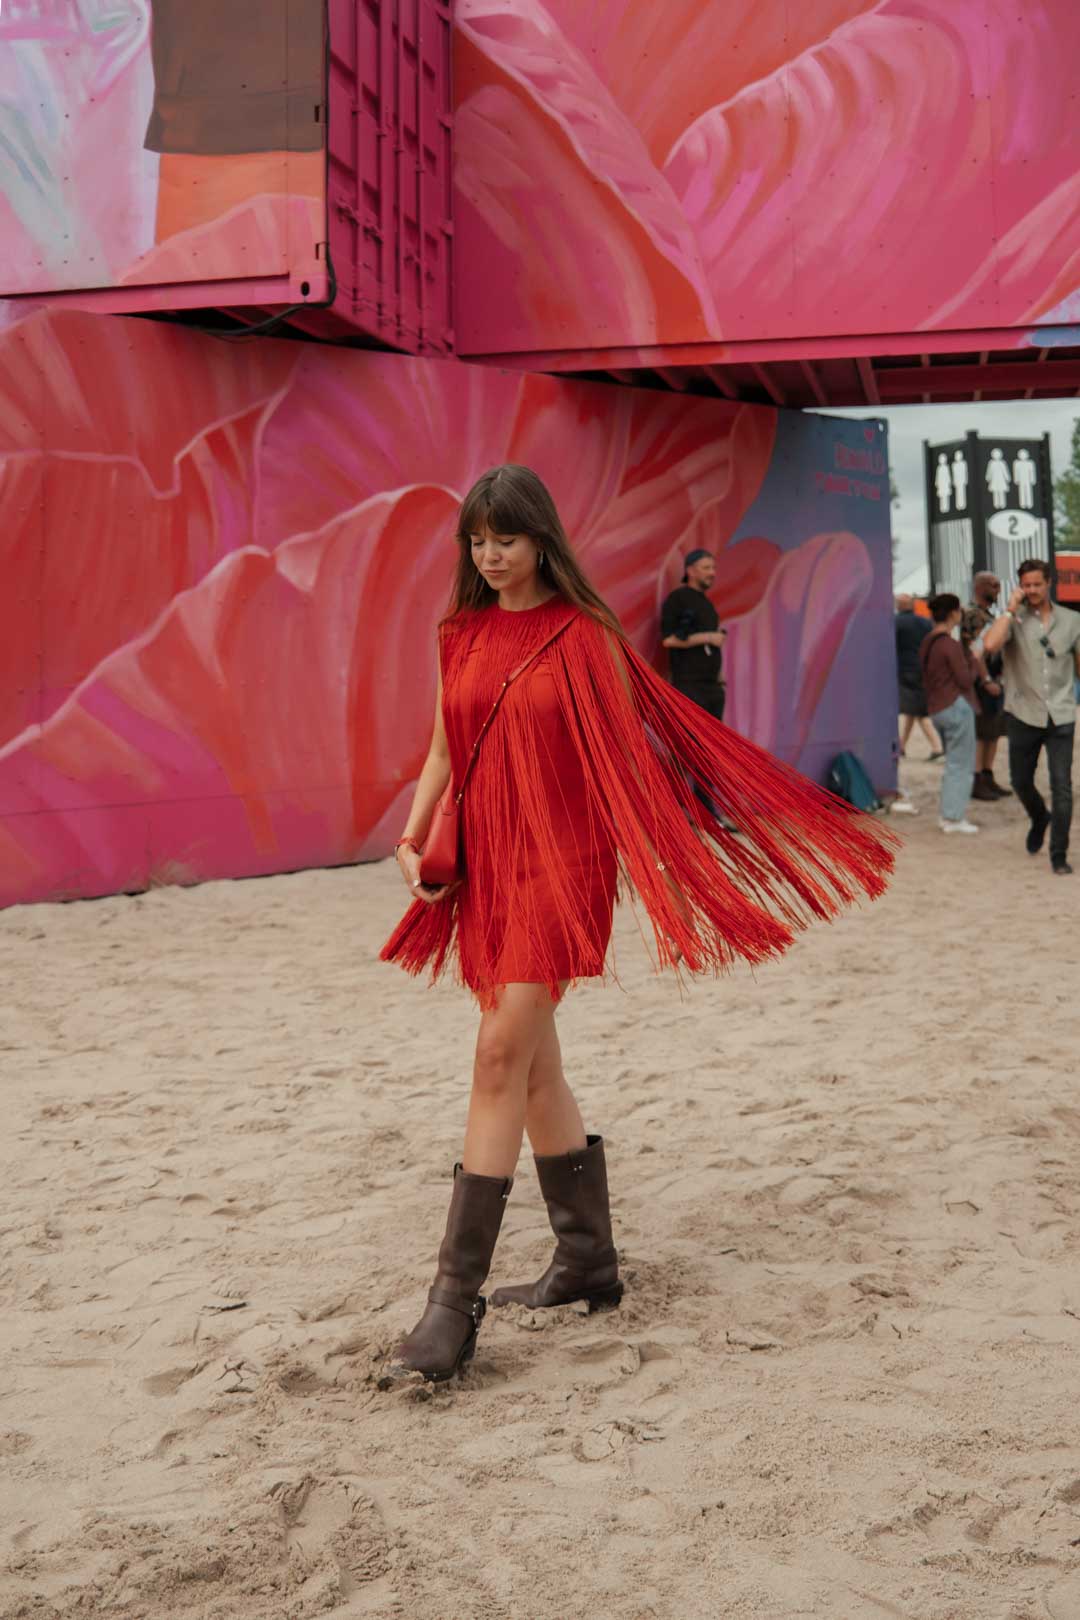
445, 1336
585, 1264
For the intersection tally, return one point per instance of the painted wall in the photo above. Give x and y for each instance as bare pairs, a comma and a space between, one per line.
699, 171
158, 141
223, 574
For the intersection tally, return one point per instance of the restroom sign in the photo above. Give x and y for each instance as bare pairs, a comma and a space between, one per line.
989, 504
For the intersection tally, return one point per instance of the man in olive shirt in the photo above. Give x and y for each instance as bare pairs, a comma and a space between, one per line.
690, 628
1040, 643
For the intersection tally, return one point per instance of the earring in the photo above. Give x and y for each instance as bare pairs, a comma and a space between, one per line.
540, 561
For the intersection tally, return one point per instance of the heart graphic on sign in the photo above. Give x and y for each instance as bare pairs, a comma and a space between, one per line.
868, 434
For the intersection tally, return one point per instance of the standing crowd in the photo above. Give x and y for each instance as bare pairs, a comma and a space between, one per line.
972, 675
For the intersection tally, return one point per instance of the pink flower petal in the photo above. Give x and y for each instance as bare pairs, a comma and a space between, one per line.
800, 186
682, 455
51, 398
543, 226
22, 567
266, 236
667, 64
786, 647
259, 724
80, 87
332, 443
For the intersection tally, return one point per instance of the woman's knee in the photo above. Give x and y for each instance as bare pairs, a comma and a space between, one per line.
501, 1065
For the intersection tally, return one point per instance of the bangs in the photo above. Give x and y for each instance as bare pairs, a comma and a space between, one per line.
501, 509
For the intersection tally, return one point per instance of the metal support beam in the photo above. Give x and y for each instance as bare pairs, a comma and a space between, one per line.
865, 369
813, 381
721, 382
774, 391
1007, 377
674, 377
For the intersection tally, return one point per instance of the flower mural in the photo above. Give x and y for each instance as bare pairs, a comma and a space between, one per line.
220, 641
200, 116
714, 173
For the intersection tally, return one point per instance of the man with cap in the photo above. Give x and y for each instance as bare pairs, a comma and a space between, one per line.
690, 628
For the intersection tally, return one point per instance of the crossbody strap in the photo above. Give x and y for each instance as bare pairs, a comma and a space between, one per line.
493, 711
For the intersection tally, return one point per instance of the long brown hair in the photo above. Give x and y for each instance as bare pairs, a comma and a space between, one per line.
513, 500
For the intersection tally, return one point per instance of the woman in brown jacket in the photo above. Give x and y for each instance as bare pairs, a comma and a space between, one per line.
949, 680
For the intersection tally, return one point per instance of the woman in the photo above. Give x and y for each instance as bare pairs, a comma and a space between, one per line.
590, 768
949, 679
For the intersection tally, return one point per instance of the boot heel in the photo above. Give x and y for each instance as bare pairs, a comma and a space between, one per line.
605, 1299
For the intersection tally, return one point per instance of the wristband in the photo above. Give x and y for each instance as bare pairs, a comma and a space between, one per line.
411, 841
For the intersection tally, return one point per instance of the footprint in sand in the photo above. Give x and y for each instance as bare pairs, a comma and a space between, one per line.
611, 1355
333, 1523
952, 1522
168, 1382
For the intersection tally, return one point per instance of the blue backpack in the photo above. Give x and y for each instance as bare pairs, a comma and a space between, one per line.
848, 780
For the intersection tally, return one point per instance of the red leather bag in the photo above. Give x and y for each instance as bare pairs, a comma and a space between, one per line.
442, 859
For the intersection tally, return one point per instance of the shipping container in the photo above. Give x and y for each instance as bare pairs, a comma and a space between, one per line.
390, 172
267, 158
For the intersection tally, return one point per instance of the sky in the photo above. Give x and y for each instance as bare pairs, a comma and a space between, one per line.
909, 425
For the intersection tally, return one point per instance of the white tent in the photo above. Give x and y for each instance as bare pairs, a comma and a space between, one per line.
915, 583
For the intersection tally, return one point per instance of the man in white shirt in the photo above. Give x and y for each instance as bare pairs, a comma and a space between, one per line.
1040, 644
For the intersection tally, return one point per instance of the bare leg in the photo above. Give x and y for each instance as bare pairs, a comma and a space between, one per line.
989, 750
506, 1046
552, 1117
931, 735
907, 722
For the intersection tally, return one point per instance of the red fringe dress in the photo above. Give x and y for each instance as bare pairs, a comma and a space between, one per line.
588, 772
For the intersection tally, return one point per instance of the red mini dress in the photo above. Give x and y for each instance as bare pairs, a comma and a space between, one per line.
536, 904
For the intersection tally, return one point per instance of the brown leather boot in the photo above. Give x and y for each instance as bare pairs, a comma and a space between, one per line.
585, 1264
445, 1336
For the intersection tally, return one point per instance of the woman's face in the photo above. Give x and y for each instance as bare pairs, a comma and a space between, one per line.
505, 560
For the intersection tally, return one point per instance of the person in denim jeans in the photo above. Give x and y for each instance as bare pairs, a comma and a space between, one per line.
949, 679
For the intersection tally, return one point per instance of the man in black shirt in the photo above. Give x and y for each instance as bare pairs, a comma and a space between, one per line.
690, 628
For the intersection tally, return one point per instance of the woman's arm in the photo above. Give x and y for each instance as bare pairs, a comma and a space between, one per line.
700, 638
429, 790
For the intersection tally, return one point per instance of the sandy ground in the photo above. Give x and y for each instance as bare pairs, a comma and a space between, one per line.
845, 1378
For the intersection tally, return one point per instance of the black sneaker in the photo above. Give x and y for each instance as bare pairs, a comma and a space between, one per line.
1062, 869
1037, 833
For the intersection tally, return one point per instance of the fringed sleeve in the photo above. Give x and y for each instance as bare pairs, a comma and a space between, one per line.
799, 852
591, 767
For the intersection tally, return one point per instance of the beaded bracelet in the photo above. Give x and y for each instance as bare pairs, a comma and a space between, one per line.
411, 841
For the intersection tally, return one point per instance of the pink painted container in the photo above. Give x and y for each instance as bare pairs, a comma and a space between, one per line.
390, 177
224, 192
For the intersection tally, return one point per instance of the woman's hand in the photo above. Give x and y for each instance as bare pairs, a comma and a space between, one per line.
409, 863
